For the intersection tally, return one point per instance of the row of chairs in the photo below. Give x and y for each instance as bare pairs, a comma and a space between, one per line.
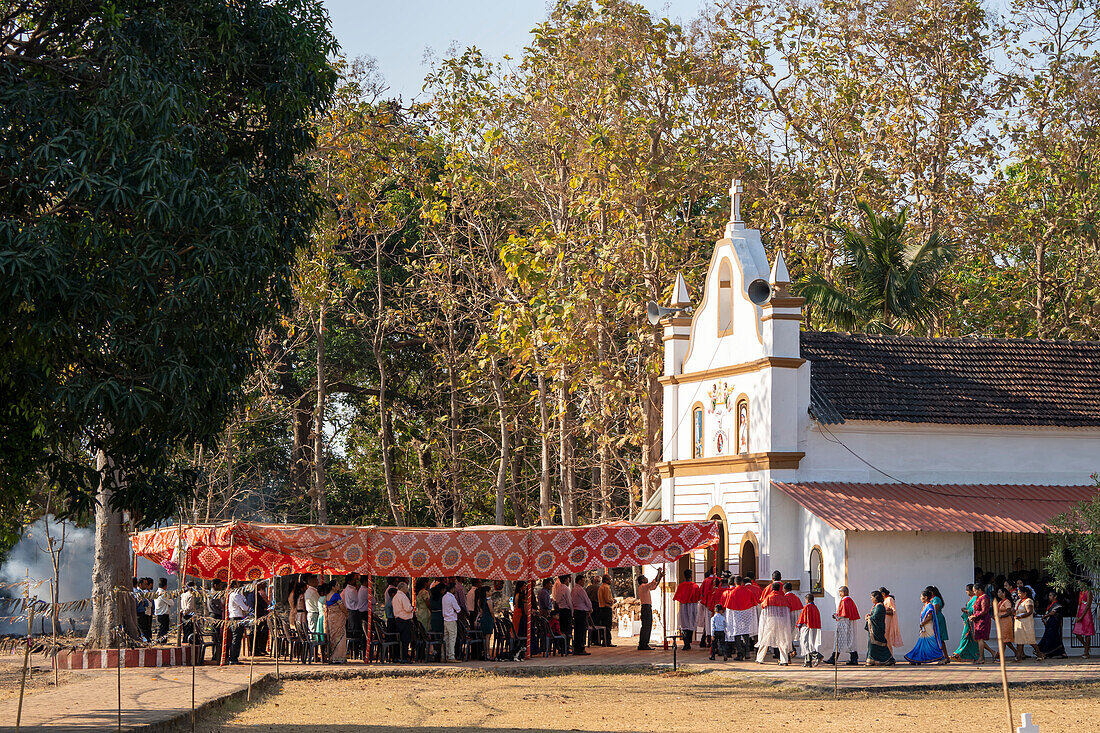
310, 646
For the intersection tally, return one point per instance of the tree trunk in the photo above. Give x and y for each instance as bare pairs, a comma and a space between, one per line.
502, 469
319, 423
456, 491
565, 453
386, 427
113, 608
1040, 288
544, 454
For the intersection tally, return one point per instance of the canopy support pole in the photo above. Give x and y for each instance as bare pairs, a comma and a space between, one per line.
370, 616
224, 631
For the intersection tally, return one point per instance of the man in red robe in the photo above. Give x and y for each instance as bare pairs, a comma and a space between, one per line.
846, 615
709, 581
740, 607
809, 636
687, 595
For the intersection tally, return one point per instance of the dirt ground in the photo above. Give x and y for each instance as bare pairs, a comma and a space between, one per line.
39, 676
642, 702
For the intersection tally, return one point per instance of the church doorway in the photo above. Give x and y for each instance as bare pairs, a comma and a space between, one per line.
747, 558
717, 556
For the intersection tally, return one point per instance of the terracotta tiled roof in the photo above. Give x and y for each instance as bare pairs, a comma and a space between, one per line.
936, 507
973, 381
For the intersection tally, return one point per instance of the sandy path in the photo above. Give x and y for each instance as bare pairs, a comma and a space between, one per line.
656, 702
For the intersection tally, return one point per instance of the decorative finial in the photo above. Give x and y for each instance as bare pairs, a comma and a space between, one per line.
735, 200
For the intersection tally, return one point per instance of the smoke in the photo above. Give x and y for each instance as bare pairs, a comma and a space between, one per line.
30, 555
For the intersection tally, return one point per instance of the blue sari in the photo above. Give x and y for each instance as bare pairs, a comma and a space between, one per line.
928, 647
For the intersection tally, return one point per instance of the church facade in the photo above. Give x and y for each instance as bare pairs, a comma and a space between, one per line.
858, 460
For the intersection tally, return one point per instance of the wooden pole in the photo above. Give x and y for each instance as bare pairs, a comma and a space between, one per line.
530, 621
274, 628
370, 615
1004, 669
53, 615
255, 633
224, 631
26, 654
118, 677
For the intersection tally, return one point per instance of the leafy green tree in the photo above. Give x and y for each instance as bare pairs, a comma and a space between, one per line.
887, 280
153, 199
1074, 558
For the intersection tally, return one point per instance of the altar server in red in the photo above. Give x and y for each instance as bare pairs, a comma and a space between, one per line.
846, 615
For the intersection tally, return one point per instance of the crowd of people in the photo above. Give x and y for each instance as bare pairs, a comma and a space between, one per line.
731, 616
738, 618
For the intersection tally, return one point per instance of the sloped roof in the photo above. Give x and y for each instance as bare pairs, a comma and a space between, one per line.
971, 381
935, 507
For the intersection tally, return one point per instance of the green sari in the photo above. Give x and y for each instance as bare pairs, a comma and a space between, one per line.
968, 648
877, 648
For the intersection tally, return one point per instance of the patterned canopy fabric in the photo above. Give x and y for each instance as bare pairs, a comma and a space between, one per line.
251, 550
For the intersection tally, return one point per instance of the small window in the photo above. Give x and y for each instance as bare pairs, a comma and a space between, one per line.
725, 298
817, 572
742, 425
697, 431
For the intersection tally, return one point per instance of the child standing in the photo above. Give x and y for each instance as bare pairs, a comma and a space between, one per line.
718, 633
846, 614
809, 629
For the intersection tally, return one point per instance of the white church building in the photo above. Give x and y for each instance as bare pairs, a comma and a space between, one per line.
866, 461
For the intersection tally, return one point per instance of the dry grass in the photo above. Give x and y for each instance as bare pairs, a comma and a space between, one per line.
635, 702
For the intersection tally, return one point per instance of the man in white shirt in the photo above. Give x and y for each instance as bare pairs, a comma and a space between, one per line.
187, 611
451, 609
162, 609
364, 599
350, 596
563, 600
403, 616
238, 616
314, 605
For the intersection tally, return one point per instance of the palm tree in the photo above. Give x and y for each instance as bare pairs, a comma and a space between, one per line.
887, 281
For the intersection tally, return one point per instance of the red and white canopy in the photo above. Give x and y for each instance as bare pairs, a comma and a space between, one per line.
248, 550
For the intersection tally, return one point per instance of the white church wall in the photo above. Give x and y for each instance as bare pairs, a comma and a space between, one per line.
812, 532
950, 454
692, 500
753, 385
782, 544
907, 562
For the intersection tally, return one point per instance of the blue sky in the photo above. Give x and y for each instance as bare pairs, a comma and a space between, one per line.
400, 33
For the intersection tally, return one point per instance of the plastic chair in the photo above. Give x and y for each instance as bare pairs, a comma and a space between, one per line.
382, 642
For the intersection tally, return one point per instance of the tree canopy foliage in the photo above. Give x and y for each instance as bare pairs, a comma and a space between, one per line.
152, 202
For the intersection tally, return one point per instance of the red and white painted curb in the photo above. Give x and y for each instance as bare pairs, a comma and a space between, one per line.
176, 656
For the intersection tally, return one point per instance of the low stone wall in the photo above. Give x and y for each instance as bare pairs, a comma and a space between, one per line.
175, 656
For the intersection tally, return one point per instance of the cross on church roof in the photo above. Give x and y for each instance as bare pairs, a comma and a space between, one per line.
735, 200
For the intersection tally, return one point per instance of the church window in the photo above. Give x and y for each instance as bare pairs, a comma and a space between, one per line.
725, 298
697, 430
817, 572
742, 423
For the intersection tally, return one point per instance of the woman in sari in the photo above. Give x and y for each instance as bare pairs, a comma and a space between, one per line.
982, 622
878, 648
929, 646
336, 626
1083, 625
893, 625
968, 648
1024, 629
1051, 644
435, 605
297, 603
484, 613
1005, 618
941, 621
423, 604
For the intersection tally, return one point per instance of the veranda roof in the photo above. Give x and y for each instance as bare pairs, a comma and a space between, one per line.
936, 507
252, 550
